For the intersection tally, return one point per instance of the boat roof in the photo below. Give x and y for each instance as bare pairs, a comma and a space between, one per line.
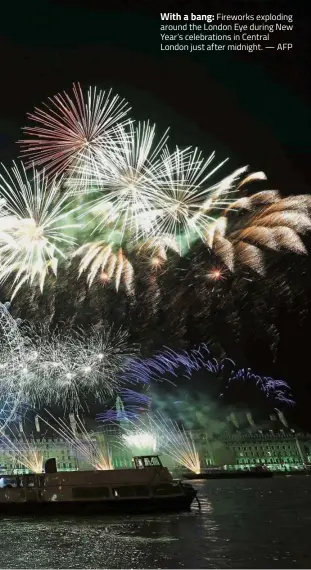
100, 477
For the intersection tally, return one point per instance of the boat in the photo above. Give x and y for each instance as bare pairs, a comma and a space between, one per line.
146, 487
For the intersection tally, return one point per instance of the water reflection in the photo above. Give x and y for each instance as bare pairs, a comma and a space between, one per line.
240, 525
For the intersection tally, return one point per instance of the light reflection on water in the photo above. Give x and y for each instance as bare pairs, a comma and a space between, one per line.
242, 524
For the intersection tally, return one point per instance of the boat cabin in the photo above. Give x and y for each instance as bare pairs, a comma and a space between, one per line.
144, 461
147, 478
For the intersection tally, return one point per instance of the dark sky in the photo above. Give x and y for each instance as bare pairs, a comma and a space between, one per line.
252, 108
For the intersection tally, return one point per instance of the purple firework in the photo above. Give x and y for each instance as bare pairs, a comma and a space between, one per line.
279, 390
135, 403
170, 363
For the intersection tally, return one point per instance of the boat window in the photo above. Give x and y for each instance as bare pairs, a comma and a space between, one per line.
30, 482
124, 492
152, 462
141, 491
90, 492
165, 489
8, 483
41, 480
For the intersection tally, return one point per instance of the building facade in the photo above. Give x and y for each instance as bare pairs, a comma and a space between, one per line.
278, 450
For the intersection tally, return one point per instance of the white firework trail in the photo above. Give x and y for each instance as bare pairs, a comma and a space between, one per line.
126, 181
90, 446
22, 450
167, 436
187, 203
11, 354
35, 224
64, 369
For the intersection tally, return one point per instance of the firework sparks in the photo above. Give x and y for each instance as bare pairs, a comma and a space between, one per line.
278, 390
100, 258
72, 128
187, 205
216, 274
91, 447
140, 206
140, 442
166, 436
34, 226
11, 354
127, 182
169, 363
129, 405
23, 450
63, 368
268, 222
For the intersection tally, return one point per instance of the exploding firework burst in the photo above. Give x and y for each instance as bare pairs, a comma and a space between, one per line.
34, 226
63, 369
186, 202
72, 128
128, 182
269, 222
169, 363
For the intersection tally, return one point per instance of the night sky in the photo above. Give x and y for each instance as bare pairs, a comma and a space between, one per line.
253, 108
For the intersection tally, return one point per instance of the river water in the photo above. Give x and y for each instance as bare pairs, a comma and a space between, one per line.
263, 523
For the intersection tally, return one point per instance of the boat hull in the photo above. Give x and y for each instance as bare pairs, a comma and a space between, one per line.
84, 508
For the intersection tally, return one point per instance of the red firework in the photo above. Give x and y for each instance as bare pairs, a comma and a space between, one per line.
72, 129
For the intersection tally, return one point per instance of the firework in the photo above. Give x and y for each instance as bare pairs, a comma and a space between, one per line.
34, 226
186, 202
91, 447
11, 354
140, 442
72, 128
128, 183
169, 363
136, 403
63, 369
138, 207
268, 222
166, 436
99, 258
22, 450
278, 390
134, 397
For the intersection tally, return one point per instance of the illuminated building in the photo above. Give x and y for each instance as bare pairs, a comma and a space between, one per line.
236, 447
